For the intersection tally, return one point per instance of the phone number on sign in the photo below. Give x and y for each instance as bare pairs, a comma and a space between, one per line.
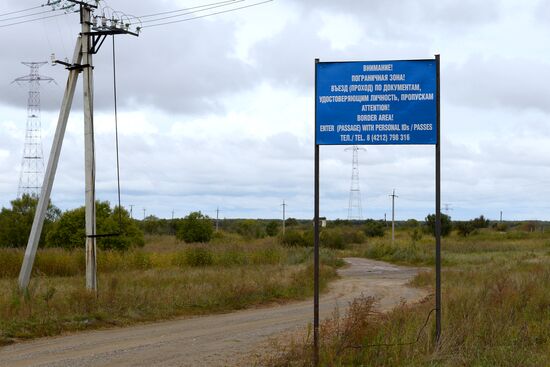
388, 137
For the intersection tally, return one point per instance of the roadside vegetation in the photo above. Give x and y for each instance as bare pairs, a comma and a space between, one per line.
496, 303
496, 282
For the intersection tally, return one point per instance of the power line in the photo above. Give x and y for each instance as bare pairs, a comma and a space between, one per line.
33, 20
21, 11
193, 12
27, 15
184, 9
208, 15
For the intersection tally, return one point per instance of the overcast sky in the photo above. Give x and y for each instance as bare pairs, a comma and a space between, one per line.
218, 112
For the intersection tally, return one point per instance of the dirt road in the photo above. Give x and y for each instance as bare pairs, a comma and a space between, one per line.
216, 340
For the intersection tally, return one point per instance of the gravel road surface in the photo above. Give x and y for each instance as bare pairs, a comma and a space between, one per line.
216, 340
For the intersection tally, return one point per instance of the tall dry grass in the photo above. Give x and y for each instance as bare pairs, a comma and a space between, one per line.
160, 281
496, 312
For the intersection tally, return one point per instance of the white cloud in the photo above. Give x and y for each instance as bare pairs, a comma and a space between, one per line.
219, 111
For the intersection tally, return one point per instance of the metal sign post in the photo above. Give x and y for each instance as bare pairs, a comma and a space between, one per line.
377, 103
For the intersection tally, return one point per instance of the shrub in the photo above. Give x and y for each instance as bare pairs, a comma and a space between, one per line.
480, 222
198, 256
289, 222
69, 231
373, 228
416, 235
465, 228
195, 227
272, 228
332, 239
293, 238
446, 224
250, 228
16, 223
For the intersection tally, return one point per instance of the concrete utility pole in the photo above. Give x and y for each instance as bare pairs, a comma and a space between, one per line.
393, 196
143, 213
284, 207
501, 216
88, 43
217, 218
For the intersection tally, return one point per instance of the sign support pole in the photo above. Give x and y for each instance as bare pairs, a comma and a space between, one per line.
316, 244
438, 211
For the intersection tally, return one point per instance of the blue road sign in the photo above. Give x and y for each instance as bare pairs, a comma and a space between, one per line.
376, 102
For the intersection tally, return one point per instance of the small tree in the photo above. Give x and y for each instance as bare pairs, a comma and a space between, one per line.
16, 223
446, 224
480, 222
250, 228
69, 231
374, 228
272, 228
465, 228
195, 227
291, 222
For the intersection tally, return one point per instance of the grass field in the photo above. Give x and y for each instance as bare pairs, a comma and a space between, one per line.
496, 308
162, 280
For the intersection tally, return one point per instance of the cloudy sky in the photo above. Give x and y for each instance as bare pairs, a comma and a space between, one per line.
218, 111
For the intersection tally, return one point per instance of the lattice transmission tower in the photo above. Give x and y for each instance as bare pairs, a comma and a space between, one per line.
32, 163
355, 211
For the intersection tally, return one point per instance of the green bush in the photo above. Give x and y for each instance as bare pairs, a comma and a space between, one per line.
373, 228
195, 227
249, 228
465, 228
198, 256
16, 223
446, 224
332, 238
272, 228
69, 231
293, 238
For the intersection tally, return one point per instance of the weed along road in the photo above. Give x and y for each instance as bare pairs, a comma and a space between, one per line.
216, 340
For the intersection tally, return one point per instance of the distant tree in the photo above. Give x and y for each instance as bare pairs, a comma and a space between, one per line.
16, 223
374, 228
294, 237
465, 228
480, 222
416, 234
272, 228
195, 227
446, 224
291, 222
411, 223
250, 228
69, 231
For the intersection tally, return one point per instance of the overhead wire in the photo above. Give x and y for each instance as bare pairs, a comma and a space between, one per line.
208, 15
27, 15
193, 12
116, 140
21, 11
184, 9
34, 20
